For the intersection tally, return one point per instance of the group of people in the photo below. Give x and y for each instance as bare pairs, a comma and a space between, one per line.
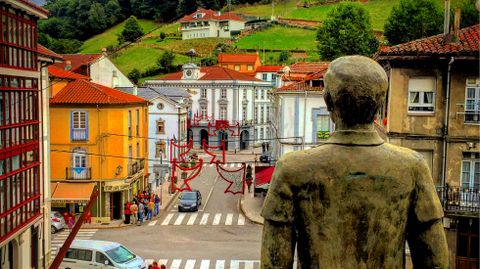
143, 206
155, 265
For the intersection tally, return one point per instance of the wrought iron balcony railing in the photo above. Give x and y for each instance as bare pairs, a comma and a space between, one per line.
78, 173
459, 199
136, 167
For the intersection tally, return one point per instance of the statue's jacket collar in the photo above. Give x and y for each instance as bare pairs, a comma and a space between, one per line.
355, 138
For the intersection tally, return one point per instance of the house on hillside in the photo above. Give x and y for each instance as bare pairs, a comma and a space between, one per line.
98, 67
167, 120
208, 23
246, 63
92, 123
268, 73
223, 105
433, 107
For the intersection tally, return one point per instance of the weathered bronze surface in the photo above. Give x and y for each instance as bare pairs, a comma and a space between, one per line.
352, 202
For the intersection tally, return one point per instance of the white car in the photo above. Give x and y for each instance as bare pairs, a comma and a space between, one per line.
100, 254
57, 222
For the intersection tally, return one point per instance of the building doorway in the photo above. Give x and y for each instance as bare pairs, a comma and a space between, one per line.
467, 243
244, 139
203, 137
116, 205
223, 135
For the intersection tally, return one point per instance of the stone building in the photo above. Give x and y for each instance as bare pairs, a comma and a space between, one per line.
433, 107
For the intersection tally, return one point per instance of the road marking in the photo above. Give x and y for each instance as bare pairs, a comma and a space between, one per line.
152, 223
216, 219
166, 221
205, 264
249, 265
220, 264
162, 261
234, 264
241, 220
212, 164
190, 264
229, 219
205, 165
209, 194
176, 264
148, 261
204, 219
180, 218
192, 219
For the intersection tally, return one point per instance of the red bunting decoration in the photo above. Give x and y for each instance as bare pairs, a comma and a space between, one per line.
206, 148
182, 155
234, 130
235, 178
197, 168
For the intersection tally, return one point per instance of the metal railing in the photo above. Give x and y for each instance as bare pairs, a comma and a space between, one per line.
459, 199
79, 134
136, 167
78, 173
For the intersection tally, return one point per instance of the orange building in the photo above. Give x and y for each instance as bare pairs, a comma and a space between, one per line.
243, 63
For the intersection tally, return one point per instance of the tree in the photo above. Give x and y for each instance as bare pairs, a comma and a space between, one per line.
131, 31
413, 19
346, 31
469, 15
97, 18
165, 62
134, 75
284, 56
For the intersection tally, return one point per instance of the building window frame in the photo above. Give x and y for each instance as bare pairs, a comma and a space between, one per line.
265, 77
223, 112
236, 67
320, 134
421, 99
470, 171
223, 93
79, 125
160, 126
130, 124
472, 101
203, 93
137, 122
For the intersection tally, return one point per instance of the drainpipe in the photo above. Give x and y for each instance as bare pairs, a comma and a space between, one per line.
304, 118
445, 123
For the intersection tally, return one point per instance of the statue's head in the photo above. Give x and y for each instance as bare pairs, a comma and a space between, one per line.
355, 88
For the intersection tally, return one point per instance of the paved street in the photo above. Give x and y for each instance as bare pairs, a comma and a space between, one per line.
217, 236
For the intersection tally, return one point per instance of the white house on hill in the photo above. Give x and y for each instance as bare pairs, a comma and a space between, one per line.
208, 23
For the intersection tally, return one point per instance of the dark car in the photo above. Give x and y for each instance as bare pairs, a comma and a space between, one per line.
190, 201
264, 158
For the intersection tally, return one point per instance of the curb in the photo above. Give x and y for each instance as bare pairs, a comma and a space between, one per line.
240, 204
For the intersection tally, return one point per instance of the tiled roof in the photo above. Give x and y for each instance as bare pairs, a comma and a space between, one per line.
224, 58
297, 87
467, 45
210, 15
269, 68
150, 93
304, 71
56, 72
81, 91
78, 60
304, 67
214, 73
46, 52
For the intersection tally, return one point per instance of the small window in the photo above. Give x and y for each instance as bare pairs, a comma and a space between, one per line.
160, 127
236, 67
244, 94
204, 93
472, 101
265, 77
421, 95
160, 149
203, 111
223, 93
223, 113
250, 67
470, 171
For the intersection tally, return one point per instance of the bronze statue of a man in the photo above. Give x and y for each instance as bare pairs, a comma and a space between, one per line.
352, 202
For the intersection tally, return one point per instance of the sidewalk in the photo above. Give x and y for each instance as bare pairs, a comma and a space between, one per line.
251, 207
166, 200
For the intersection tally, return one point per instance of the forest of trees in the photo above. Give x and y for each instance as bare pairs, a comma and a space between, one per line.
72, 21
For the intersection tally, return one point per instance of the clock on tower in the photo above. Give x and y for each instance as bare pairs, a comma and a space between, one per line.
190, 71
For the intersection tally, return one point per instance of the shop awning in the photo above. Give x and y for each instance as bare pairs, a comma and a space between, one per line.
263, 174
70, 192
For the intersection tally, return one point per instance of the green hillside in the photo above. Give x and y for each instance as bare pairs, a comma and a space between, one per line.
109, 37
279, 38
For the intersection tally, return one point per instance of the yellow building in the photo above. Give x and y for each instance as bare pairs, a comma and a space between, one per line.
97, 138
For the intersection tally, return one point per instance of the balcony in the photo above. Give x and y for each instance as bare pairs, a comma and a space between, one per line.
79, 135
136, 167
78, 173
458, 200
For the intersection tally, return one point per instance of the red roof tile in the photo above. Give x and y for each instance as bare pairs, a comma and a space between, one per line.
224, 58
304, 71
269, 68
210, 15
297, 87
78, 60
46, 52
304, 67
56, 72
214, 73
81, 91
467, 45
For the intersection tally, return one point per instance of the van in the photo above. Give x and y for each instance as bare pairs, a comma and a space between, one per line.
100, 254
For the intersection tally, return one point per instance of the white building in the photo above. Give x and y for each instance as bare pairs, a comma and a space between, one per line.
221, 97
98, 67
269, 73
167, 120
208, 23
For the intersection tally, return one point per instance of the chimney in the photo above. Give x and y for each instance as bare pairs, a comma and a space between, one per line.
135, 90
68, 65
456, 23
104, 52
446, 18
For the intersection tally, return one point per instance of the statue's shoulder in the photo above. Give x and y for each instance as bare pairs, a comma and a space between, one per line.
403, 153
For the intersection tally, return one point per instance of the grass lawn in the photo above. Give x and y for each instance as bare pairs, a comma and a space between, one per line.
166, 28
280, 38
141, 58
281, 9
203, 46
109, 37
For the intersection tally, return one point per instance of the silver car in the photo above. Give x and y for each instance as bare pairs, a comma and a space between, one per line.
57, 221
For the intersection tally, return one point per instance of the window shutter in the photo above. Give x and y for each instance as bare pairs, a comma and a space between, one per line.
86, 125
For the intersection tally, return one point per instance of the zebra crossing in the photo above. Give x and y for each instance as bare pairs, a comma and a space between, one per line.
59, 238
206, 263
232, 165
196, 218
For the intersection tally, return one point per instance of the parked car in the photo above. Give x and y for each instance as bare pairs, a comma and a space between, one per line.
190, 201
264, 158
57, 221
100, 254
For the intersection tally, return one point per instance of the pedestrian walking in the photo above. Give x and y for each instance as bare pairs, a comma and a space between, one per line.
134, 212
141, 211
71, 221
157, 205
150, 208
127, 213
155, 265
163, 266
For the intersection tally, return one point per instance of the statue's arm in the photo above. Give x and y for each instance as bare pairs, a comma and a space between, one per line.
428, 245
278, 245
